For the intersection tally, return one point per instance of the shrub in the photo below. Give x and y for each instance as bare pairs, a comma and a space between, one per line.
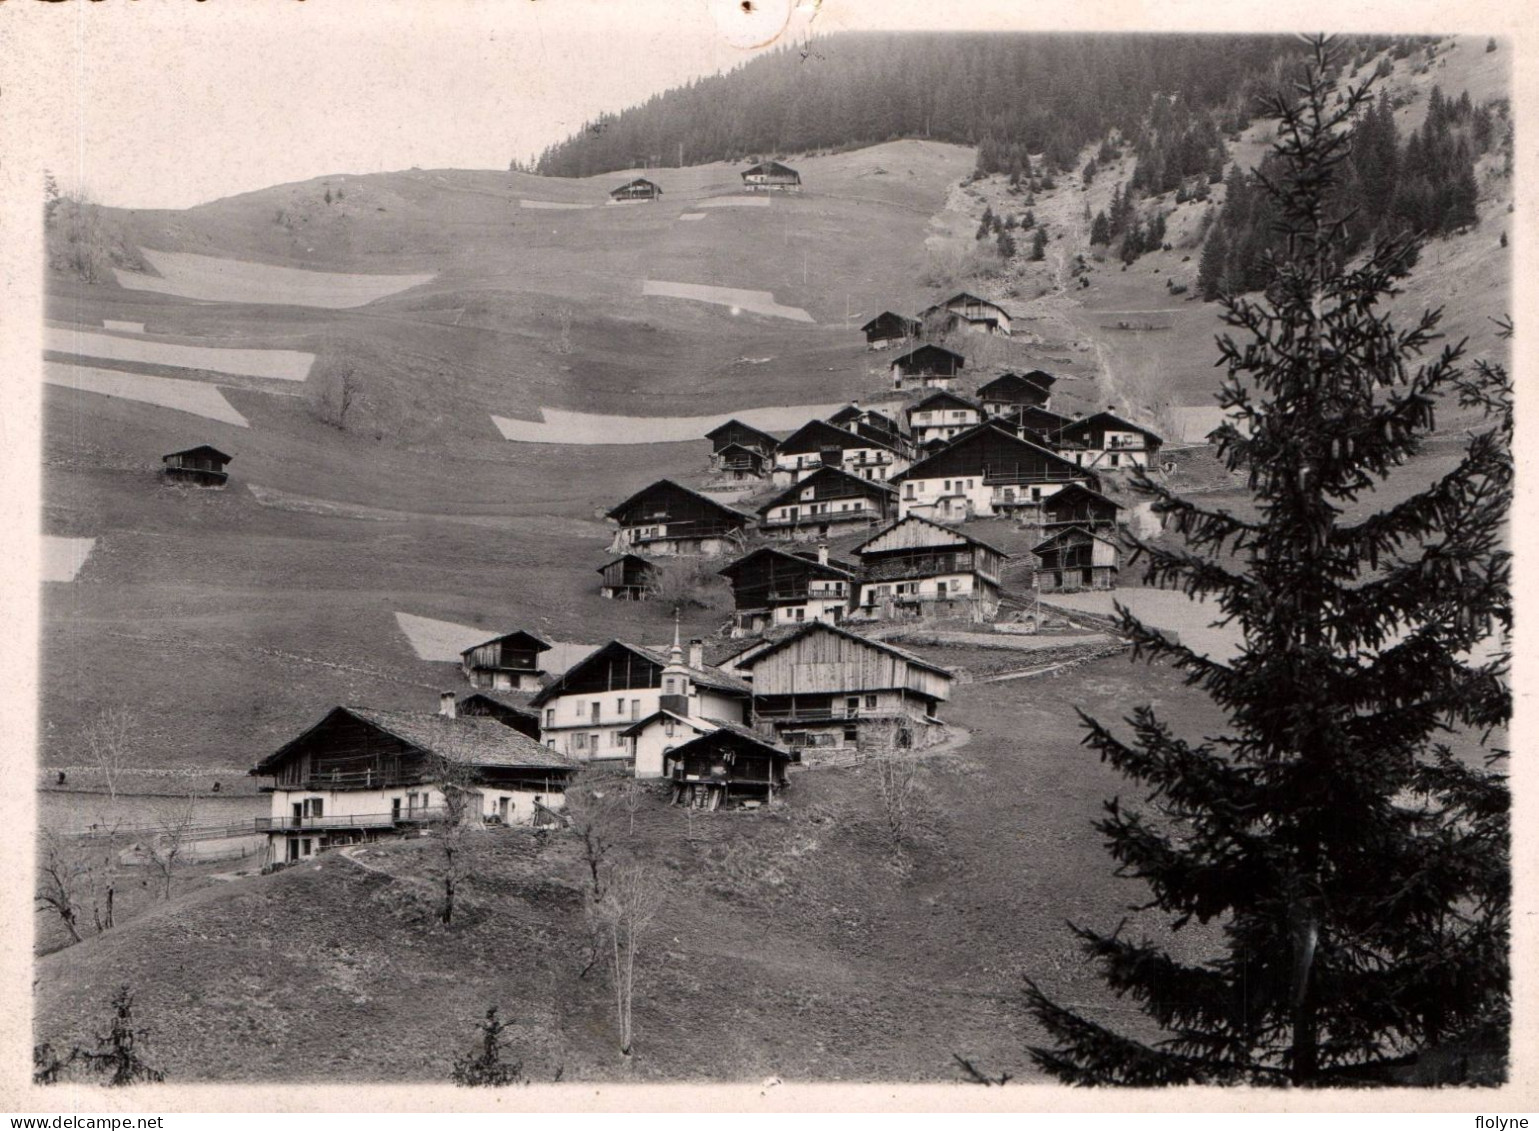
690, 582
487, 1069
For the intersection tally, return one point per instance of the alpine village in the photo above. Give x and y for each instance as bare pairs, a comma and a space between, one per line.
722, 618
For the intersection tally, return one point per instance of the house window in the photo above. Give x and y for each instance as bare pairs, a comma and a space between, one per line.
799, 614
851, 735
1114, 458
1087, 576
593, 743
550, 716
870, 702
616, 738
620, 707
635, 708
908, 490
579, 742
956, 584
947, 485
668, 727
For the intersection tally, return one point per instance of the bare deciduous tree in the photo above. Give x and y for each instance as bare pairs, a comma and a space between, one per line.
900, 790
172, 834
455, 779
110, 747
632, 797
633, 895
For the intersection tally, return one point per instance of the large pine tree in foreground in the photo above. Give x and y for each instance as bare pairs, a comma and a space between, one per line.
1354, 872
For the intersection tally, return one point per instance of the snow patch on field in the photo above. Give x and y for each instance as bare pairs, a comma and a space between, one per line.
234, 280
195, 397
552, 204
734, 202
63, 557
124, 327
692, 216
755, 302
559, 427
284, 365
444, 640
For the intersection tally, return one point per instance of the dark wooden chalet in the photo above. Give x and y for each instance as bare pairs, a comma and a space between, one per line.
860, 450
627, 578
510, 662
1010, 392
361, 773
203, 465
828, 502
1076, 558
889, 329
1039, 425
729, 764
774, 587
1077, 505
639, 189
743, 435
666, 518
986, 471
929, 365
508, 708
968, 312
918, 567
1107, 442
771, 176
824, 690
737, 462
942, 415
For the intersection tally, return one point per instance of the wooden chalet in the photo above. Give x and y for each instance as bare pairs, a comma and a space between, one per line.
510, 662
1106, 442
853, 413
828, 502
916, 567
968, 312
359, 774
666, 518
774, 587
730, 764
585, 712
1008, 393
743, 435
627, 578
508, 708
771, 176
941, 416
985, 472
1076, 558
1039, 425
639, 189
739, 463
823, 690
934, 367
1078, 505
203, 466
862, 451
888, 329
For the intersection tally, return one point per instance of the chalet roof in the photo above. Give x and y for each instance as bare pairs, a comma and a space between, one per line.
1025, 414
968, 296
539, 643
959, 443
469, 740
816, 435
695, 724
1083, 426
930, 350
1060, 535
771, 167
874, 488
1070, 489
709, 677
642, 558
511, 700
919, 518
735, 423
737, 734
200, 450
1007, 383
829, 569
735, 446
888, 316
942, 396
638, 182
669, 484
879, 645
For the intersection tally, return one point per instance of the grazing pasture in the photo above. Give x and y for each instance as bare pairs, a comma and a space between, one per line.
738, 298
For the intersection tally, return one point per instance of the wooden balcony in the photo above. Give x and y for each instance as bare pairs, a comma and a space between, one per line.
334, 821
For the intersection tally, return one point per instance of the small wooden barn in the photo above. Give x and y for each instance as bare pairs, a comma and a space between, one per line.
888, 329
666, 518
1076, 558
203, 466
627, 578
771, 176
510, 662
1008, 393
828, 502
743, 435
916, 567
1078, 505
639, 189
738, 463
932, 366
729, 764
508, 708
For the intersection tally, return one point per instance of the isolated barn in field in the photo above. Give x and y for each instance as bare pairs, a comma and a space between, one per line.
1009, 393
823, 690
203, 465
932, 366
888, 329
985, 472
774, 587
917, 567
666, 518
510, 662
1078, 505
360, 774
586, 712
639, 189
1076, 558
967, 312
627, 578
726, 765
771, 176
827, 503
1106, 442
508, 708
817, 443
941, 416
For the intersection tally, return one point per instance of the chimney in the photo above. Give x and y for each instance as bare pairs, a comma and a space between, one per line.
822, 555
697, 653
446, 706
